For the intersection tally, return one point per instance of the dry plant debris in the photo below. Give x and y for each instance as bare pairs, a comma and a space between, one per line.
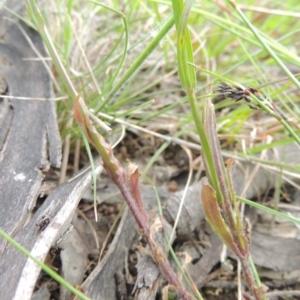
126, 264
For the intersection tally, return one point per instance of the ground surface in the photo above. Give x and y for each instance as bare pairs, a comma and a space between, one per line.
108, 259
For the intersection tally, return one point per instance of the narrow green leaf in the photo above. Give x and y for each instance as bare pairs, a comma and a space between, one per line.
47, 269
184, 45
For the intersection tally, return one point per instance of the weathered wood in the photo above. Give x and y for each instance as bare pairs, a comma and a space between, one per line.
18, 273
29, 129
101, 283
284, 252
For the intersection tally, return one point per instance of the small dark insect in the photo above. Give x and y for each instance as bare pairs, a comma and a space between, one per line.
43, 223
236, 93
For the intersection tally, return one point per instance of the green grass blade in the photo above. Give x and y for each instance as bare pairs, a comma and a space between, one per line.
48, 270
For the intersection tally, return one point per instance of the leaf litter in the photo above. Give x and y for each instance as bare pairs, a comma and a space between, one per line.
126, 259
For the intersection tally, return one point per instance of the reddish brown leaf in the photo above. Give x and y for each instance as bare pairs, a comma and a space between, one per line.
133, 175
213, 214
